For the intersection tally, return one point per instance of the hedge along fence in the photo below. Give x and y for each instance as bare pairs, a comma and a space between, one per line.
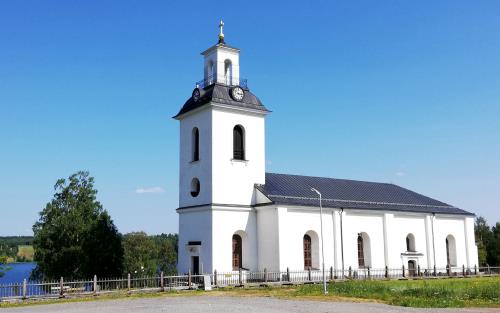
62, 288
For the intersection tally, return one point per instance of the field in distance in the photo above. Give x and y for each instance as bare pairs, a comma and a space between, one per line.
25, 253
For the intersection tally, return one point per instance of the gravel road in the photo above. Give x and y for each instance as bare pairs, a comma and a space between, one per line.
221, 304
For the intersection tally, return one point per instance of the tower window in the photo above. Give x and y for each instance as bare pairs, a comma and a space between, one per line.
196, 144
195, 187
228, 72
210, 73
238, 143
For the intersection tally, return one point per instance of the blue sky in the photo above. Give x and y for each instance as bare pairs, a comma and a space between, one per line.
395, 91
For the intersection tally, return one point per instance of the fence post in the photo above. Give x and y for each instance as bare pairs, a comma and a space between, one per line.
435, 272
189, 279
386, 271
369, 274
288, 274
350, 272
448, 269
404, 274
215, 279
162, 282
95, 285
24, 288
128, 282
61, 286
489, 270
475, 269
418, 269
463, 270
331, 272
309, 273
240, 278
265, 274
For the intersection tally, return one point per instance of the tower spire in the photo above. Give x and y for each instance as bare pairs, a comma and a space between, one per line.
221, 32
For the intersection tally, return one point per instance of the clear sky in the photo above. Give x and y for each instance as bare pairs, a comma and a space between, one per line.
393, 91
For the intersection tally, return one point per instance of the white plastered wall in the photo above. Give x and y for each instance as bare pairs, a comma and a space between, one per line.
371, 224
200, 169
227, 222
195, 226
268, 238
454, 225
233, 180
401, 226
294, 223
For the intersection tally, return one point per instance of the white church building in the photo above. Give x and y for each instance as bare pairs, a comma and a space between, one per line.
233, 215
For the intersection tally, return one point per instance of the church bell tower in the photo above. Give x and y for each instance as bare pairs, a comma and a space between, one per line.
222, 157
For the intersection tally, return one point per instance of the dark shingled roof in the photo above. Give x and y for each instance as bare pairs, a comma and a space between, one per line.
351, 194
220, 93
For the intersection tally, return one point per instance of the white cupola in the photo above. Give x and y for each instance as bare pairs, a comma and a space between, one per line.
222, 63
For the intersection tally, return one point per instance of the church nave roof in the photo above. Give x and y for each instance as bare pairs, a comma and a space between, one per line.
349, 194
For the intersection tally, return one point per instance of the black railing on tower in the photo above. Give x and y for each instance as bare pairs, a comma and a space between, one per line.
210, 80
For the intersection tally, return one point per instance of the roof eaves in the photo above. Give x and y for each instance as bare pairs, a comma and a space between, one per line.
364, 202
408, 209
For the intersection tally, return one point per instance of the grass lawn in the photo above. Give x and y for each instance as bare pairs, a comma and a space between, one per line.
458, 292
435, 293
432, 293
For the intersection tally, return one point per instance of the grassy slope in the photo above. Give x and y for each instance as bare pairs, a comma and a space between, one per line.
436, 293
465, 292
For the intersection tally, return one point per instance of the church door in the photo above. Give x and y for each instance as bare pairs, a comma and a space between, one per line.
195, 270
411, 268
237, 249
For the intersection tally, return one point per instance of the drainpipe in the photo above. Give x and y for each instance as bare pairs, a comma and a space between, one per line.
433, 244
342, 240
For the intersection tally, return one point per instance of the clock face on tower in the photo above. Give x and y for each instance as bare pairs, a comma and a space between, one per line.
196, 94
237, 93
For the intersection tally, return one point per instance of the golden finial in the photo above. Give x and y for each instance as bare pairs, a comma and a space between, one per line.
221, 32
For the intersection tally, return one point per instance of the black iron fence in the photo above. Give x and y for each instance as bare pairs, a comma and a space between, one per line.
221, 79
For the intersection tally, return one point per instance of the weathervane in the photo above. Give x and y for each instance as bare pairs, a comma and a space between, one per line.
221, 32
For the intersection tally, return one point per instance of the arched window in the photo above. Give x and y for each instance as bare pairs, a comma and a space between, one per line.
361, 252
196, 144
451, 251
410, 243
238, 143
364, 254
228, 72
237, 253
307, 243
210, 73
195, 187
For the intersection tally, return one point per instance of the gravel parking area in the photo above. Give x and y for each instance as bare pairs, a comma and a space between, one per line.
221, 304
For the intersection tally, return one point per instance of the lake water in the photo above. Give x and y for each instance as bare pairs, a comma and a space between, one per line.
17, 273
